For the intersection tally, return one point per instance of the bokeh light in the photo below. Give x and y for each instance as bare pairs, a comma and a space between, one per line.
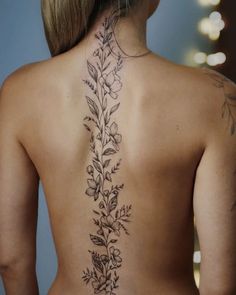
209, 2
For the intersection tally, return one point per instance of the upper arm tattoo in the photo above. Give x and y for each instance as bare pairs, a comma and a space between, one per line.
229, 91
110, 217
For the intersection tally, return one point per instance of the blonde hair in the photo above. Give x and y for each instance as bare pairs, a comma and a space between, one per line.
66, 22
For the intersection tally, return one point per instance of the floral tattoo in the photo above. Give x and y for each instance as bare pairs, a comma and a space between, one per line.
110, 219
229, 90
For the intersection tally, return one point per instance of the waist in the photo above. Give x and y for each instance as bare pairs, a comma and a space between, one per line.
128, 285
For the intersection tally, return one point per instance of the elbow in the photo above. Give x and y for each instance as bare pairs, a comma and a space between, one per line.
3, 269
14, 266
8, 266
6, 263
16, 260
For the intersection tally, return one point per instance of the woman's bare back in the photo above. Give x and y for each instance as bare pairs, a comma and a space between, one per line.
116, 143
129, 147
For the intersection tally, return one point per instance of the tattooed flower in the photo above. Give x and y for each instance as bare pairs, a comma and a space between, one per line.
100, 232
115, 137
111, 83
115, 256
101, 205
104, 259
112, 224
101, 284
94, 188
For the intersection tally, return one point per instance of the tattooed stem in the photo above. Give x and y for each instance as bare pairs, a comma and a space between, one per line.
228, 89
105, 144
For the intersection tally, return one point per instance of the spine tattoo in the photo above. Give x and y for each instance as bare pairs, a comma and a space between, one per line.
110, 218
229, 91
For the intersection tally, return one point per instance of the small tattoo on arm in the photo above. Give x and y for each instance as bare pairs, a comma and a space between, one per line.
229, 91
110, 218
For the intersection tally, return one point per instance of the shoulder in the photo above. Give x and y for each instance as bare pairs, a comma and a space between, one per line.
24, 95
215, 102
203, 97
30, 85
222, 99
13, 87
210, 95
28, 75
20, 82
14, 98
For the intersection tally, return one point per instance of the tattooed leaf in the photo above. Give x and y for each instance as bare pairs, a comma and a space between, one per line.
107, 118
106, 163
116, 277
98, 266
90, 170
97, 240
93, 107
109, 36
113, 203
113, 241
92, 71
106, 67
124, 229
91, 183
108, 176
109, 277
91, 86
87, 127
90, 192
87, 276
106, 193
114, 108
95, 273
97, 262
97, 166
104, 104
117, 214
99, 136
109, 152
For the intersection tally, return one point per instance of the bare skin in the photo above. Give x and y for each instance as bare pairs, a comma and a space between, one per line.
178, 159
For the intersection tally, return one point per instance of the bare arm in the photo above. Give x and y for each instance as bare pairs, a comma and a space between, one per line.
215, 203
18, 204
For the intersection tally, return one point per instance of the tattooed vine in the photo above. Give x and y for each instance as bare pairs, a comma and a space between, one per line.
110, 220
229, 105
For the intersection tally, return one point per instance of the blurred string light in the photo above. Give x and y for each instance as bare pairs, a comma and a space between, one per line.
209, 2
197, 257
212, 60
197, 261
210, 26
